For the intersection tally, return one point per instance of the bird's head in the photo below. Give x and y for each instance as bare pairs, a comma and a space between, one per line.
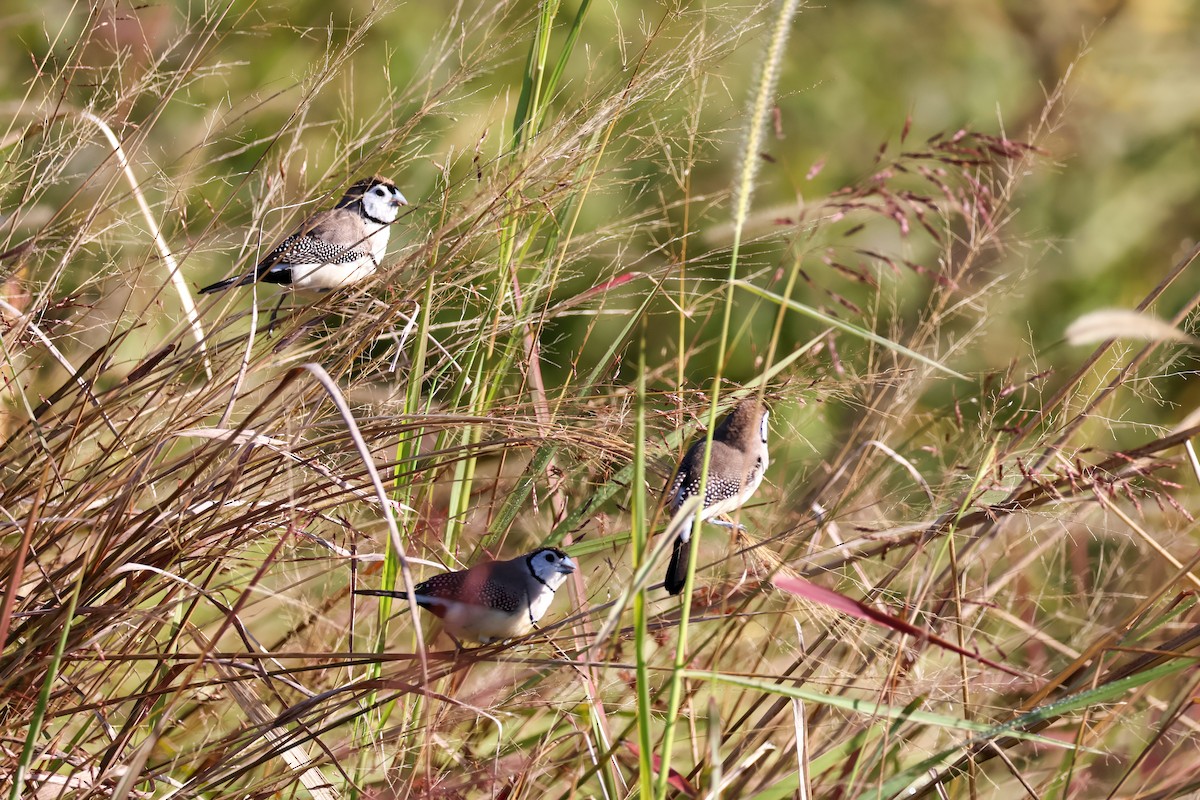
551, 566
381, 200
746, 425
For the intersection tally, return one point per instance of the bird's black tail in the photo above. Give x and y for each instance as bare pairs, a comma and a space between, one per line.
220, 285
677, 568
383, 593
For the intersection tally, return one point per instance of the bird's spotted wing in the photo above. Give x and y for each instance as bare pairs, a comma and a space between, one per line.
433, 594
718, 487
311, 250
678, 491
443, 586
337, 236
485, 590
717, 490
687, 477
473, 587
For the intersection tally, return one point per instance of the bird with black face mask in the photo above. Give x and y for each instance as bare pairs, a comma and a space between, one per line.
492, 600
332, 248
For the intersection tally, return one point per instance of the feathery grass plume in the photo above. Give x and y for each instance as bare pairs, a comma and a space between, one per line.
1122, 323
768, 76
750, 153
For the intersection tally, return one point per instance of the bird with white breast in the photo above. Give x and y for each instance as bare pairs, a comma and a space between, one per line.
736, 465
332, 248
493, 600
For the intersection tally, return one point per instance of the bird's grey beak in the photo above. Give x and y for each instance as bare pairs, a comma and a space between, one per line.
399, 200
566, 566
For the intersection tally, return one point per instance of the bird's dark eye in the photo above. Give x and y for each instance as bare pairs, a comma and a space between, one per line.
549, 556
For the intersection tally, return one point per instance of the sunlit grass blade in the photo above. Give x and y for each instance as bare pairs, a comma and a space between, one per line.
847, 327
519, 494
875, 710
1122, 323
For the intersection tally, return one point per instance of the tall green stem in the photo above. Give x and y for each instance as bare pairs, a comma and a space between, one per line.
743, 194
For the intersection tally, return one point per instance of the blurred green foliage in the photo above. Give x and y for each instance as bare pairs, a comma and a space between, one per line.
244, 94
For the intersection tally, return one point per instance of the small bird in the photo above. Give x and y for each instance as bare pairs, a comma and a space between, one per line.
332, 248
735, 469
492, 600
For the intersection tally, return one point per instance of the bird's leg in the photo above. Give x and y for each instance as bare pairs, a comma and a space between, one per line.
275, 314
737, 529
299, 331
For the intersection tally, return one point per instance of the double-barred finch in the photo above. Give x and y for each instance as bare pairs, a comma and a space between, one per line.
736, 465
492, 600
332, 248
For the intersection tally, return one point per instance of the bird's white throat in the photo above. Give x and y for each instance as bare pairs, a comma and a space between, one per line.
379, 204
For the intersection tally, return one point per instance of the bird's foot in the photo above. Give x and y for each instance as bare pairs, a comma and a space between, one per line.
274, 316
300, 330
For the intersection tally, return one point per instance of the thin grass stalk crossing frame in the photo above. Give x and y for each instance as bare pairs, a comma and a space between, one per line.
173, 273
743, 193
322, 377
639, 516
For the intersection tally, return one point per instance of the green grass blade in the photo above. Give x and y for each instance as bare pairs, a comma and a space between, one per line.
850, 328
1101, 695
568, 47
516, 498
639, 520
876, 710
25, 762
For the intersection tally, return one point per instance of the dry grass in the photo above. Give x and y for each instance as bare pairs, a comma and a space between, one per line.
184, 521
